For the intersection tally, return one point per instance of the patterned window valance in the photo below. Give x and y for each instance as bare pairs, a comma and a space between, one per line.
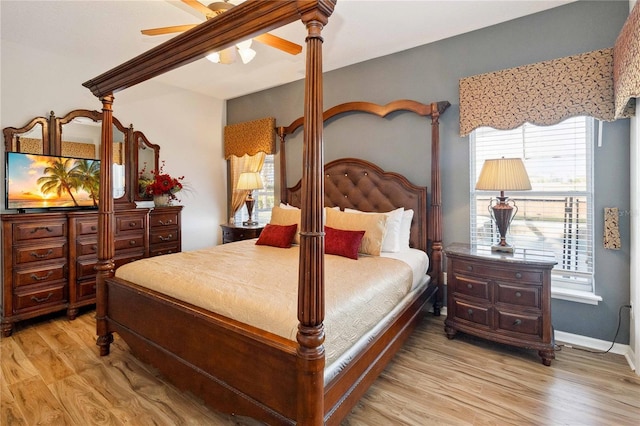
626, 65
543, 93
250, 138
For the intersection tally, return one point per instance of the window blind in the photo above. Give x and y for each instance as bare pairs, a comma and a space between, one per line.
557, 214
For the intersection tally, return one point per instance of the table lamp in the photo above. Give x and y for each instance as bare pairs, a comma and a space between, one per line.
249, 181
503, 174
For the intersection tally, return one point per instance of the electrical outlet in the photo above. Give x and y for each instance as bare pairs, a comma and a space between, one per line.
444, 278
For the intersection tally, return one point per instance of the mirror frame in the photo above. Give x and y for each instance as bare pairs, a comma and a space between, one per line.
52, 145
138, 139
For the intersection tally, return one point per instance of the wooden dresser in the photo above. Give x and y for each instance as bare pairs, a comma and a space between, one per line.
49, 258
164, 230
501, 297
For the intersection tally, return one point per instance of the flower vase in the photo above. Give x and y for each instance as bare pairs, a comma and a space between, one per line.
161, 200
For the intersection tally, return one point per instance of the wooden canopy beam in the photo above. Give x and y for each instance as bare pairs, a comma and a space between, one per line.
244, 21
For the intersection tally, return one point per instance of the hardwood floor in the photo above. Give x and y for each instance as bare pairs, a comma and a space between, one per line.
51, 374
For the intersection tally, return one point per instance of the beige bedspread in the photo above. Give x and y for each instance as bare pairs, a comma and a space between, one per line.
257, 285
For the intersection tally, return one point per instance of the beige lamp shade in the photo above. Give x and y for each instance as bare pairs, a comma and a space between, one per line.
250, 181
503, 174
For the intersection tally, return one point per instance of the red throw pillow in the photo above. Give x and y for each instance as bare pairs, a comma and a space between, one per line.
341, 242
277, 235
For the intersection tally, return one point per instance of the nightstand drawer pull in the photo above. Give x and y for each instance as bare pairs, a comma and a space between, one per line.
518, 275
518, 294
469, 286
470, 312
167, 238
469, 268
163, 223
517, 322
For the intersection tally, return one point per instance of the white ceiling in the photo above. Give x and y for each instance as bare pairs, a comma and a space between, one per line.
107, 33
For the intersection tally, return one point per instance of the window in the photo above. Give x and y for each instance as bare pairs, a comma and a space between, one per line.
557, 214
264, 197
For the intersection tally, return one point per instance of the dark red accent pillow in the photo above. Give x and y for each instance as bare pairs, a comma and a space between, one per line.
342, 242
277, 235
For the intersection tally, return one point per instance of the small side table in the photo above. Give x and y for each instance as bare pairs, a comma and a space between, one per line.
237, 232
504, 297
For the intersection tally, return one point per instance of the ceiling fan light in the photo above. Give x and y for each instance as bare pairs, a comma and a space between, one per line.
244, 44
228, 56
247, 55
214, 57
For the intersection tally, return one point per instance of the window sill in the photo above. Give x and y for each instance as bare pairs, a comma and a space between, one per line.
575, 296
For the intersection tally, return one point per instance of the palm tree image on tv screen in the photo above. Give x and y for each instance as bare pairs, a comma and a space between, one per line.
37, 181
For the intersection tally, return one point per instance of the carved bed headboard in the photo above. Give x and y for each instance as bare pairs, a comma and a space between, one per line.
359, 184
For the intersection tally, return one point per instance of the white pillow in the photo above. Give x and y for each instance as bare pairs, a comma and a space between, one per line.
288, 206
391, 240
405, 229
372, 223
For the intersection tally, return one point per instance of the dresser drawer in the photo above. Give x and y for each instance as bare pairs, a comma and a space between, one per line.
163, 219
37, 253
129, 242
87, 226
470, 286
86, 268
521, 296
39, 297
86, 290
161, 249
86, 247
473, 313
130, 222
127, 258
38, 230
41, 275
158, 236
511, 274
520, 323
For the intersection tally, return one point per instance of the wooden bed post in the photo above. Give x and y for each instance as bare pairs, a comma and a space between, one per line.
283, 166
105, 265
310, 336
436, 212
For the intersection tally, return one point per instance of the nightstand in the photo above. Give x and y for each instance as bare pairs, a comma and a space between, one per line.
238, 232
501, 297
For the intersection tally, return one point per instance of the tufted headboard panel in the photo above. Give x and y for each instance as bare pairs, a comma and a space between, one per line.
359, 184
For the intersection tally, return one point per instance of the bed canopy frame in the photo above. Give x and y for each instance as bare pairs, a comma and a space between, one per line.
249, 19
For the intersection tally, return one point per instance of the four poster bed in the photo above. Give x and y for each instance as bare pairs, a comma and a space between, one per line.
235, 360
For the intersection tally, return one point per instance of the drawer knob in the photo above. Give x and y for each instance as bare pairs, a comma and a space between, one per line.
94, 248
469, 286
132, 224
517, 322
37, 278
93, 227
41, 256
518, 275
163, 223
518, 294
469, 268
470, 312
167, 238
41, 300
132, 242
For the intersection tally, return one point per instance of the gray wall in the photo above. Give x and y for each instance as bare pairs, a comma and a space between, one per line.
431, 73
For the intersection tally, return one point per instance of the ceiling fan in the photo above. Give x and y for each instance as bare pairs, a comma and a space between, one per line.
228, 56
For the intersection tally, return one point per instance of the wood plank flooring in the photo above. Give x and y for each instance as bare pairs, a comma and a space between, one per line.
51, 374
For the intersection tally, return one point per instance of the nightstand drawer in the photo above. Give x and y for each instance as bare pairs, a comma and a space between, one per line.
471, 286
473, 313
522, 296
520, 323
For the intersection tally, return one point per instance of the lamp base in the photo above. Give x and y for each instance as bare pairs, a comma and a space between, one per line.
503, 249
250, 223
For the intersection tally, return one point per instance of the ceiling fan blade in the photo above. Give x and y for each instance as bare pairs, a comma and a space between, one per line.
167, 30
279, 43
200, 8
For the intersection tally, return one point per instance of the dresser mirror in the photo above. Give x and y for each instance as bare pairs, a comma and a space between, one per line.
78, 134
148, 158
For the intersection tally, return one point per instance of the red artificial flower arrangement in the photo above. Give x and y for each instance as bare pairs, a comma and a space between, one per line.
164, 184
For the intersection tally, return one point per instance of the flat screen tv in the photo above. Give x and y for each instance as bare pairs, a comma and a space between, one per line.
36, 181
